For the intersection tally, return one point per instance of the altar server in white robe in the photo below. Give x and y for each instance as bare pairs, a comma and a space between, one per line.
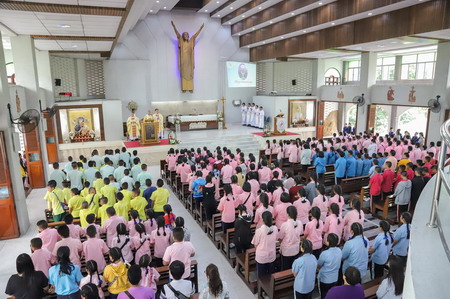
249, 114
261, 117
244, 114
256, 117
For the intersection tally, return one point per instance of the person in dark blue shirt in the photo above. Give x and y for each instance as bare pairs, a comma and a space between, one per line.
350, 168
148, 192
359, 165
340, 167
331, 156
320, 162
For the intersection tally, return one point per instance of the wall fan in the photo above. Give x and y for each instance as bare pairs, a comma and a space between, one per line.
27, 121
359, 100
434, 105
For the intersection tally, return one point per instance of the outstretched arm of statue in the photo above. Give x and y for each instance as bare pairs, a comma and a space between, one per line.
198, 32
175, 29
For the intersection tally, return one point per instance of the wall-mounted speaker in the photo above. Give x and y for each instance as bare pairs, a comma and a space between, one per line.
294, 82
57, 82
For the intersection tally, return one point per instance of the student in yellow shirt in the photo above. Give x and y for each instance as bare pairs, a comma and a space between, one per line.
85, 191
75, 203
122, 207
405, 160
137, 185
126, 193
102, 210
93, 201
55, 201
98, 183
109, 191
66, 191
115, 274
83, 213
160, 197
138, 203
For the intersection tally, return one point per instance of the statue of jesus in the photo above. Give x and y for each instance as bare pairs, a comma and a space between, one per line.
186, 62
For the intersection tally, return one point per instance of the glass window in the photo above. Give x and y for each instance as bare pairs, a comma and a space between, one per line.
418, 66
386, 68
352, 70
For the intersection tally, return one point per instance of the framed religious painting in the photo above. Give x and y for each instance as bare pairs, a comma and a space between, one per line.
80, 123
302, 113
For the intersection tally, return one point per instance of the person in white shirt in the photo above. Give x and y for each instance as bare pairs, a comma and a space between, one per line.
127, 179
250, 114
177, 285
256, 117
244, 114
89, 173
97, 159
57, 175
261, 117
68, 166
75, 177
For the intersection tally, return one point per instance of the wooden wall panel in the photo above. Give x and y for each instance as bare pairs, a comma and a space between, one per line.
34, 159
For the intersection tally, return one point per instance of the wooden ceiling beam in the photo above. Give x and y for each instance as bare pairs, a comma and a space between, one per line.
242, 10
68, 37
61, 8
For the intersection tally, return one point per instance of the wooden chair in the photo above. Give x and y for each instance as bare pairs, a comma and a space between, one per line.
225, 241
277, 285
328, 178
371, 287
213, 226
164, 276
350, 185
246, 263
383, 205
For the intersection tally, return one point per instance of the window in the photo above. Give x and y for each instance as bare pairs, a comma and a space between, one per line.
385, 68
352, 70
332, 77
418, 66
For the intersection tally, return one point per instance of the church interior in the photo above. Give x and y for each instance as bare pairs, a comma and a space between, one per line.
262, 138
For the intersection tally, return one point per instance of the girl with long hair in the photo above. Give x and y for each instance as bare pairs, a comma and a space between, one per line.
290, 232
321, 201
333, 223
356, 250
123, 241
313, 231
392, 286
93, 277
150, 223
401, 237
65, 276
227, 207
160, 237
337, 198
131, 225
209, 200
264, 206
149, 275
355, 215
330, 263
89, 291
115, 274
265, 240
381, 248
140, 242
215, 288
280, 210
304, 269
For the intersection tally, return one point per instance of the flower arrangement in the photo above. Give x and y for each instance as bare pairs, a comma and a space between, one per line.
173, 138
71, 135
267, 131
91, 133
178, 119
220, 116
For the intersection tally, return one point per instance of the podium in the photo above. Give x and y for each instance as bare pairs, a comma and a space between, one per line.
149, 132
280, 124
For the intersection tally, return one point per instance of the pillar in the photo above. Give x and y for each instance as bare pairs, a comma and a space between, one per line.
45, 78
318, 76
368, 78
25, 65
13, 159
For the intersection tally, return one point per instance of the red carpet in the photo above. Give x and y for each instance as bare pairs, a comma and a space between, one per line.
131, 144
273, 135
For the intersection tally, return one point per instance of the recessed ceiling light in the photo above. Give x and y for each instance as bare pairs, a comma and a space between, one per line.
231, 7
333, 23
243, 16
264, 42
229, 23
248, 46
260, 7
164, 7
282, 37
369, 14
239, 34
381, 46
320, 3
271, 22
394, 42
157, 1
218, 16
253, 28
151, 10
206, 10
292, 13
74, 46
304, 31
218, 2
64, 26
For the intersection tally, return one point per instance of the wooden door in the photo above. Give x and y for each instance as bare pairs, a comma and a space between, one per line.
320, 119
8, 221
371, 115
50, 139
34, 159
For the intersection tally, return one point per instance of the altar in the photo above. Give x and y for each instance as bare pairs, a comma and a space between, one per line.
194, 122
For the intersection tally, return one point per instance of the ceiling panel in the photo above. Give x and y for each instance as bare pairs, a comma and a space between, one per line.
45, 45
103, 3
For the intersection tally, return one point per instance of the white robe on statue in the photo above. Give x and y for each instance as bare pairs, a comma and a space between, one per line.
261, 119
244, 115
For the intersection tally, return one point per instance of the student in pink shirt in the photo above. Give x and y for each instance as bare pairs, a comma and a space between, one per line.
149, 275
280, 210
313, 231
237, 189
280, 151
278, 169
226, 172
123, 241
49, 236
337, 198
131, 225
265, 241
171, 160
42, 258
253, 183
398, 150
90, 219
289, 234
227, 206
191, 177
355, 215
303, 206
264, 199
247, 198
76, 231
150, 223
264, 173
160, 237
264, 190
180, 251
277, 193
184, 170
293, 153
75, 246
94, 249
140, 242
93, 277
333, 223
111, 224
321, 201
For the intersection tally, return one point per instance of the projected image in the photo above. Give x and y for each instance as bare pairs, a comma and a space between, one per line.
241, 74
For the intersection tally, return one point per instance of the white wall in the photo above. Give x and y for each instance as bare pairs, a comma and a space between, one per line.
45, 78
144, 68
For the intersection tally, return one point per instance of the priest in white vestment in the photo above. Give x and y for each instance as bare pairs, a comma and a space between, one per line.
244, 114
261, 117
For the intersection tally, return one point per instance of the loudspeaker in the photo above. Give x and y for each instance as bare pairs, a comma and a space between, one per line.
294, 82
57, 82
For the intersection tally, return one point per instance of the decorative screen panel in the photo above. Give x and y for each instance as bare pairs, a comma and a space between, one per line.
66, 70
95, 78
261, 78
286, 72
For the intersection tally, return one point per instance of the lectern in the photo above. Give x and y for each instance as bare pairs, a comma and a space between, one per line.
149, 132
280, 124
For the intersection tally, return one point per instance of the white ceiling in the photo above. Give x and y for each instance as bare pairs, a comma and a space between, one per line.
104, 3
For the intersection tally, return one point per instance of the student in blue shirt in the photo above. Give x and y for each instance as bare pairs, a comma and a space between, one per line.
359, 165
320, 162
367, 163
329, 263
350, 168
381, 248
65, 276
331, 156
372, 169
304, 270
148, 192
339, 167
356, 252
401, 237
381, 159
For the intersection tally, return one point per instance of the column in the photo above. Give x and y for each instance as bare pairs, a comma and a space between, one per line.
13, 159
368, 77
318, 76
25, 64
45, 78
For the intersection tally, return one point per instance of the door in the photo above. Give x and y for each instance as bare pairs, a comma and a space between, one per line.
34, 159
371, 115
320, 119
8, 221
50, 139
